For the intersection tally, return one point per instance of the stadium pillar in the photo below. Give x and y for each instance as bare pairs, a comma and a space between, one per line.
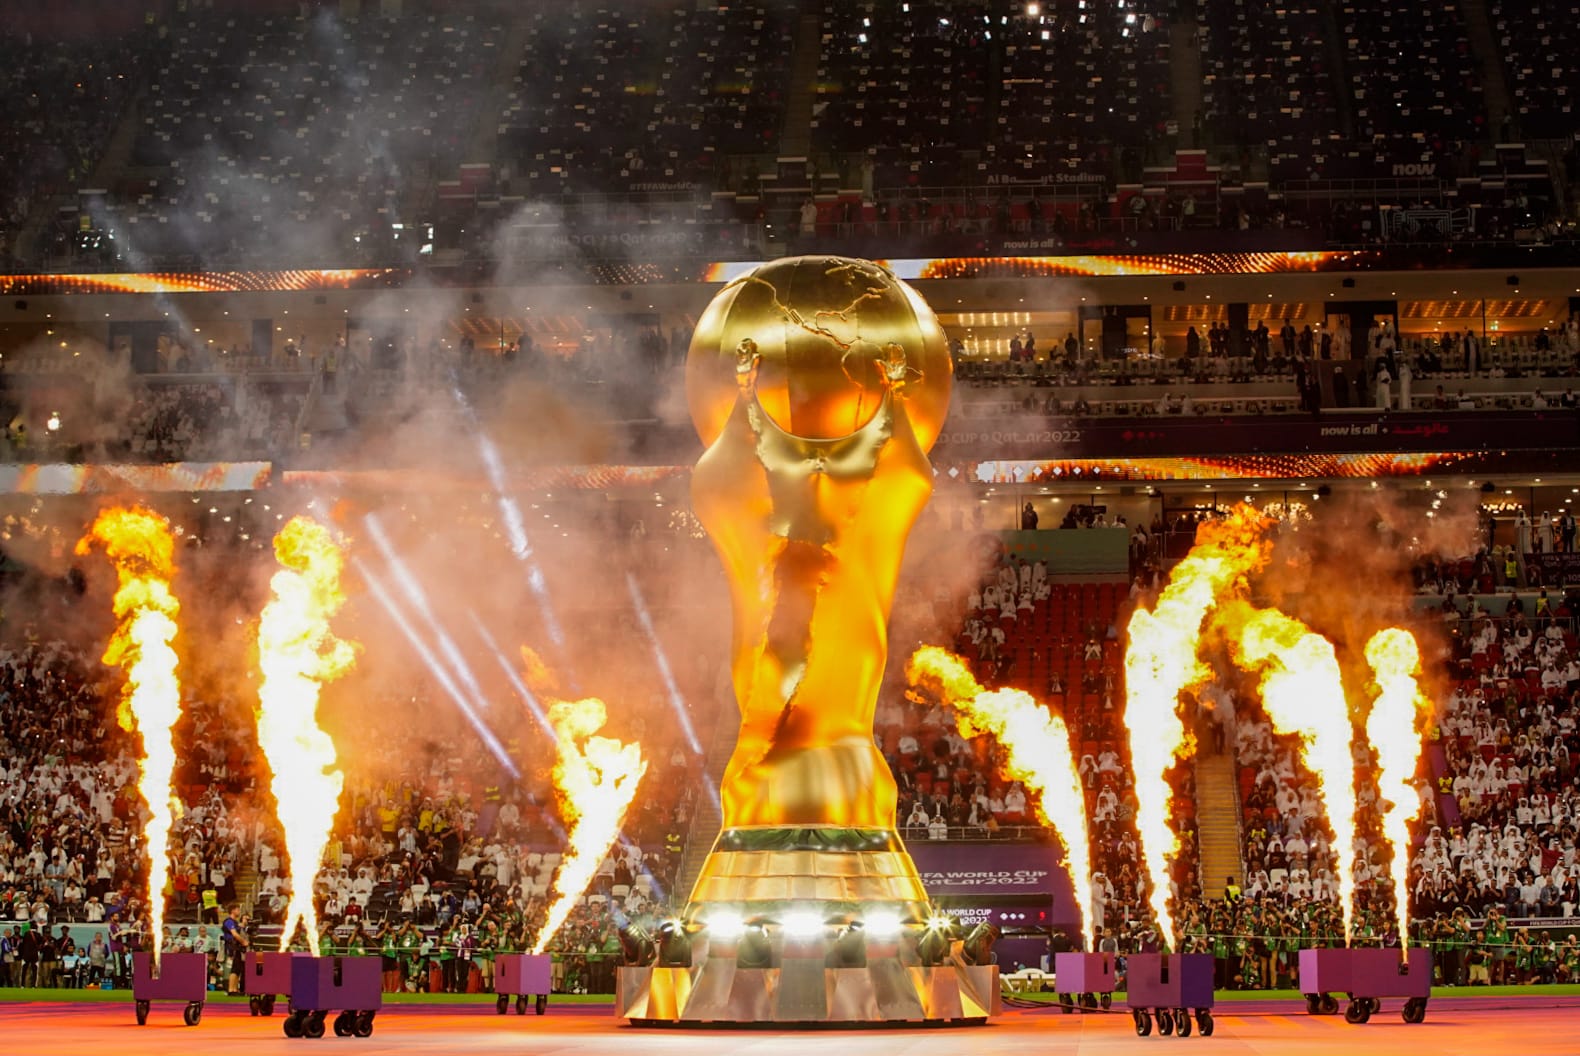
1239, 325
263, 338
142, 339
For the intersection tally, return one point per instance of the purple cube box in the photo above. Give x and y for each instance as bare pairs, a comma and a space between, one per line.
1366, 972
267, 973
1084, 973
1168, 980
181, 977
523, 973
322, 984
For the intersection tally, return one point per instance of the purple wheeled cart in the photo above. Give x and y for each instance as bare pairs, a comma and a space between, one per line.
321, 984
180, 977
1366, 976
1084, 980
520, 976
264, 977
1169, 989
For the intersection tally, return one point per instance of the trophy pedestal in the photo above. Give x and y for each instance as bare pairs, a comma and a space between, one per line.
813, 926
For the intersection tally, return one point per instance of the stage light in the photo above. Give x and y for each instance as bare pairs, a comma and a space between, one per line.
802, 924
723, 924
933, 950
755, 949
636, 945
849, 950
674, 945
883, 924
978, 947
939, 922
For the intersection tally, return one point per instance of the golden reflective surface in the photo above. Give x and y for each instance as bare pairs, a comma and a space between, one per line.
818, 384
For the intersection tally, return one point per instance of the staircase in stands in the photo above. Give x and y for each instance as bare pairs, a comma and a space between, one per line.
1217, 821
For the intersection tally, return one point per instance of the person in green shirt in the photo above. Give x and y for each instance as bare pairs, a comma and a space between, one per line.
408, 943
445, 954
488, 939
1498, 945
390, 956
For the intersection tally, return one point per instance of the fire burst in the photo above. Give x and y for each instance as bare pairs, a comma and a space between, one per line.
1037, 749
595, 780
1303, 694
1395, 728
1160, 664
138, 543
297, 655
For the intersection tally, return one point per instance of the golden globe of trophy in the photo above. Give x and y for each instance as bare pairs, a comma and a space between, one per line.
817, 385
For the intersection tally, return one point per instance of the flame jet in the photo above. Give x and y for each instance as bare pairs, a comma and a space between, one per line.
297, 654
1303, 694
1037, 749
595, 781
138, 543
1395, 728
1161, 663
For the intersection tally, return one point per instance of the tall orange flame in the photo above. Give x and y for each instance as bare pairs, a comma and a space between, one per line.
1160, 664
1395, 729
595, 781
1037, 749
1303, 694
138, 542
297, 654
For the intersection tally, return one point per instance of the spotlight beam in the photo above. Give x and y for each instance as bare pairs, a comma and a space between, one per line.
529, 698
442, 676
676, 700
418, 600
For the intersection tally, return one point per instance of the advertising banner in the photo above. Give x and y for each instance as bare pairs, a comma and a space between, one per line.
1557, 570
1014, 885
1023, 436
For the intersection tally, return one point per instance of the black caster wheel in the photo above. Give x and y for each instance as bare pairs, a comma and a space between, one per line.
1204, 1022
313, 1026
1357, 1011
1165, 1020
1105, 1000
254, 1006
542, 1004
502, 1003
362, 1026
1143, 1022
521, 1004
1330, 1005
293, 1025
1414, 1010
1182, 1023
268, 1005
343, 1025
141, 1008
192, 1014
1067, 1003
1313, 1004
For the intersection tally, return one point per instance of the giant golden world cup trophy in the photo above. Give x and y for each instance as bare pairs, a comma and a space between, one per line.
817, 385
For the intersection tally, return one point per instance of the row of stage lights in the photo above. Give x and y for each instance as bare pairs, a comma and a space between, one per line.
845, 941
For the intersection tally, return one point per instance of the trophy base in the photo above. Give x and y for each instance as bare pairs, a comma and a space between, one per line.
834, 872
809, 995
809, 927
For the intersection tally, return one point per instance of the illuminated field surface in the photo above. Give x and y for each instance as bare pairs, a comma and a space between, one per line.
1533, 1026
